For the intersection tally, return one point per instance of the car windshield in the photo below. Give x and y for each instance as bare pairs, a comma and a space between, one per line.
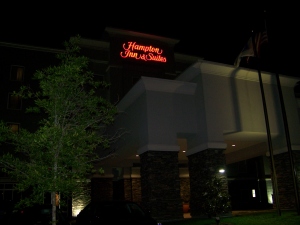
110, 209
135, 209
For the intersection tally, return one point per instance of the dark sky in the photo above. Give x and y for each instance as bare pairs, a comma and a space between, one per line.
214, 31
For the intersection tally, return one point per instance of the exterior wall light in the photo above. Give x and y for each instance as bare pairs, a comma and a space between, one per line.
221, 171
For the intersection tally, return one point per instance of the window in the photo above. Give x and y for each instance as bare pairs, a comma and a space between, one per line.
14, 127
17, 73
2, 175
14, 101
8, 192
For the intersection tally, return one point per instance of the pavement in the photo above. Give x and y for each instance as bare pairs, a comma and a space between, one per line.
238, 212
246, 212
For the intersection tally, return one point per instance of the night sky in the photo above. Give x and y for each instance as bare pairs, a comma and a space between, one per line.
214, 32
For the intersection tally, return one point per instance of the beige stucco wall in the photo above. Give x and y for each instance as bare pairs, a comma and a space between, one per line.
208, 104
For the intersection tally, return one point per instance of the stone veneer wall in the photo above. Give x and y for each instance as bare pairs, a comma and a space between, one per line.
185, 190
160, 184
136, 190
127, 189
101, 188
132, 189
286, 190
202, 165
185, 194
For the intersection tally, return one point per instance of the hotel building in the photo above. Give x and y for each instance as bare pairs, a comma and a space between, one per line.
185, 118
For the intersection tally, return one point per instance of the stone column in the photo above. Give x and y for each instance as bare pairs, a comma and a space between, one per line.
286, 190
203, 164
160, 184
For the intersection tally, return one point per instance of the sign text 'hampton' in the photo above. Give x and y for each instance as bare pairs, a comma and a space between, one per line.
142, 52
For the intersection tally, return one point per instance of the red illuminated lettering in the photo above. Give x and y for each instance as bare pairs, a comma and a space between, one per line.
142, 52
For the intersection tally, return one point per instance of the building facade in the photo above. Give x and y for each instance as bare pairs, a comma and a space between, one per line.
185, 118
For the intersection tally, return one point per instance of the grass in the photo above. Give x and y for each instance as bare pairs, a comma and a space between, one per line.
262, 218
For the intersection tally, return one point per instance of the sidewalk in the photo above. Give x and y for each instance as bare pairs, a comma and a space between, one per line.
238, 212
245, 212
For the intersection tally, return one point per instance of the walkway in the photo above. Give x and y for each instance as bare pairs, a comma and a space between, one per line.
238, 212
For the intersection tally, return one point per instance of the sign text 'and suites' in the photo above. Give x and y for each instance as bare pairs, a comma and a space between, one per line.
142, 52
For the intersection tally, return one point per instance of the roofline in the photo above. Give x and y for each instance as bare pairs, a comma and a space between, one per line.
30, 47
116, 32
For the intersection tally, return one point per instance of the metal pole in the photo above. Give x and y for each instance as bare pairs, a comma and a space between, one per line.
275, 187
288, 140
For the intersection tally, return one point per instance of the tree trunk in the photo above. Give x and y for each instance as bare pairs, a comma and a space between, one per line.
217, 220
53, 202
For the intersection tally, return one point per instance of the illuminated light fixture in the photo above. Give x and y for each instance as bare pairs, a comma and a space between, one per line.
233, 145
137, 155
221, 171
183, 151
253, 193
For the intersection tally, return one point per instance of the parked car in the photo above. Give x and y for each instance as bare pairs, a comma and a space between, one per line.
37, 215
114, 212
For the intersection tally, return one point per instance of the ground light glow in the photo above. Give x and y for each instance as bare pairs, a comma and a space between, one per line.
77, 206
81, 200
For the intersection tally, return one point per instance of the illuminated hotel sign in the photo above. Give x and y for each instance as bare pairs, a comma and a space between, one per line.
142, 52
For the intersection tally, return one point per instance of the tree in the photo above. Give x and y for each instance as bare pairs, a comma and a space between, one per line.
215, 200
72, 135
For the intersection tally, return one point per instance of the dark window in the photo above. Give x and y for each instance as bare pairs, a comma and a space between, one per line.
7, 191
2, 174
14, 101
17, 73
14, 127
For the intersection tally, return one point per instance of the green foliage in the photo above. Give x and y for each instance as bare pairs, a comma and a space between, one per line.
59, 155
215, 200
